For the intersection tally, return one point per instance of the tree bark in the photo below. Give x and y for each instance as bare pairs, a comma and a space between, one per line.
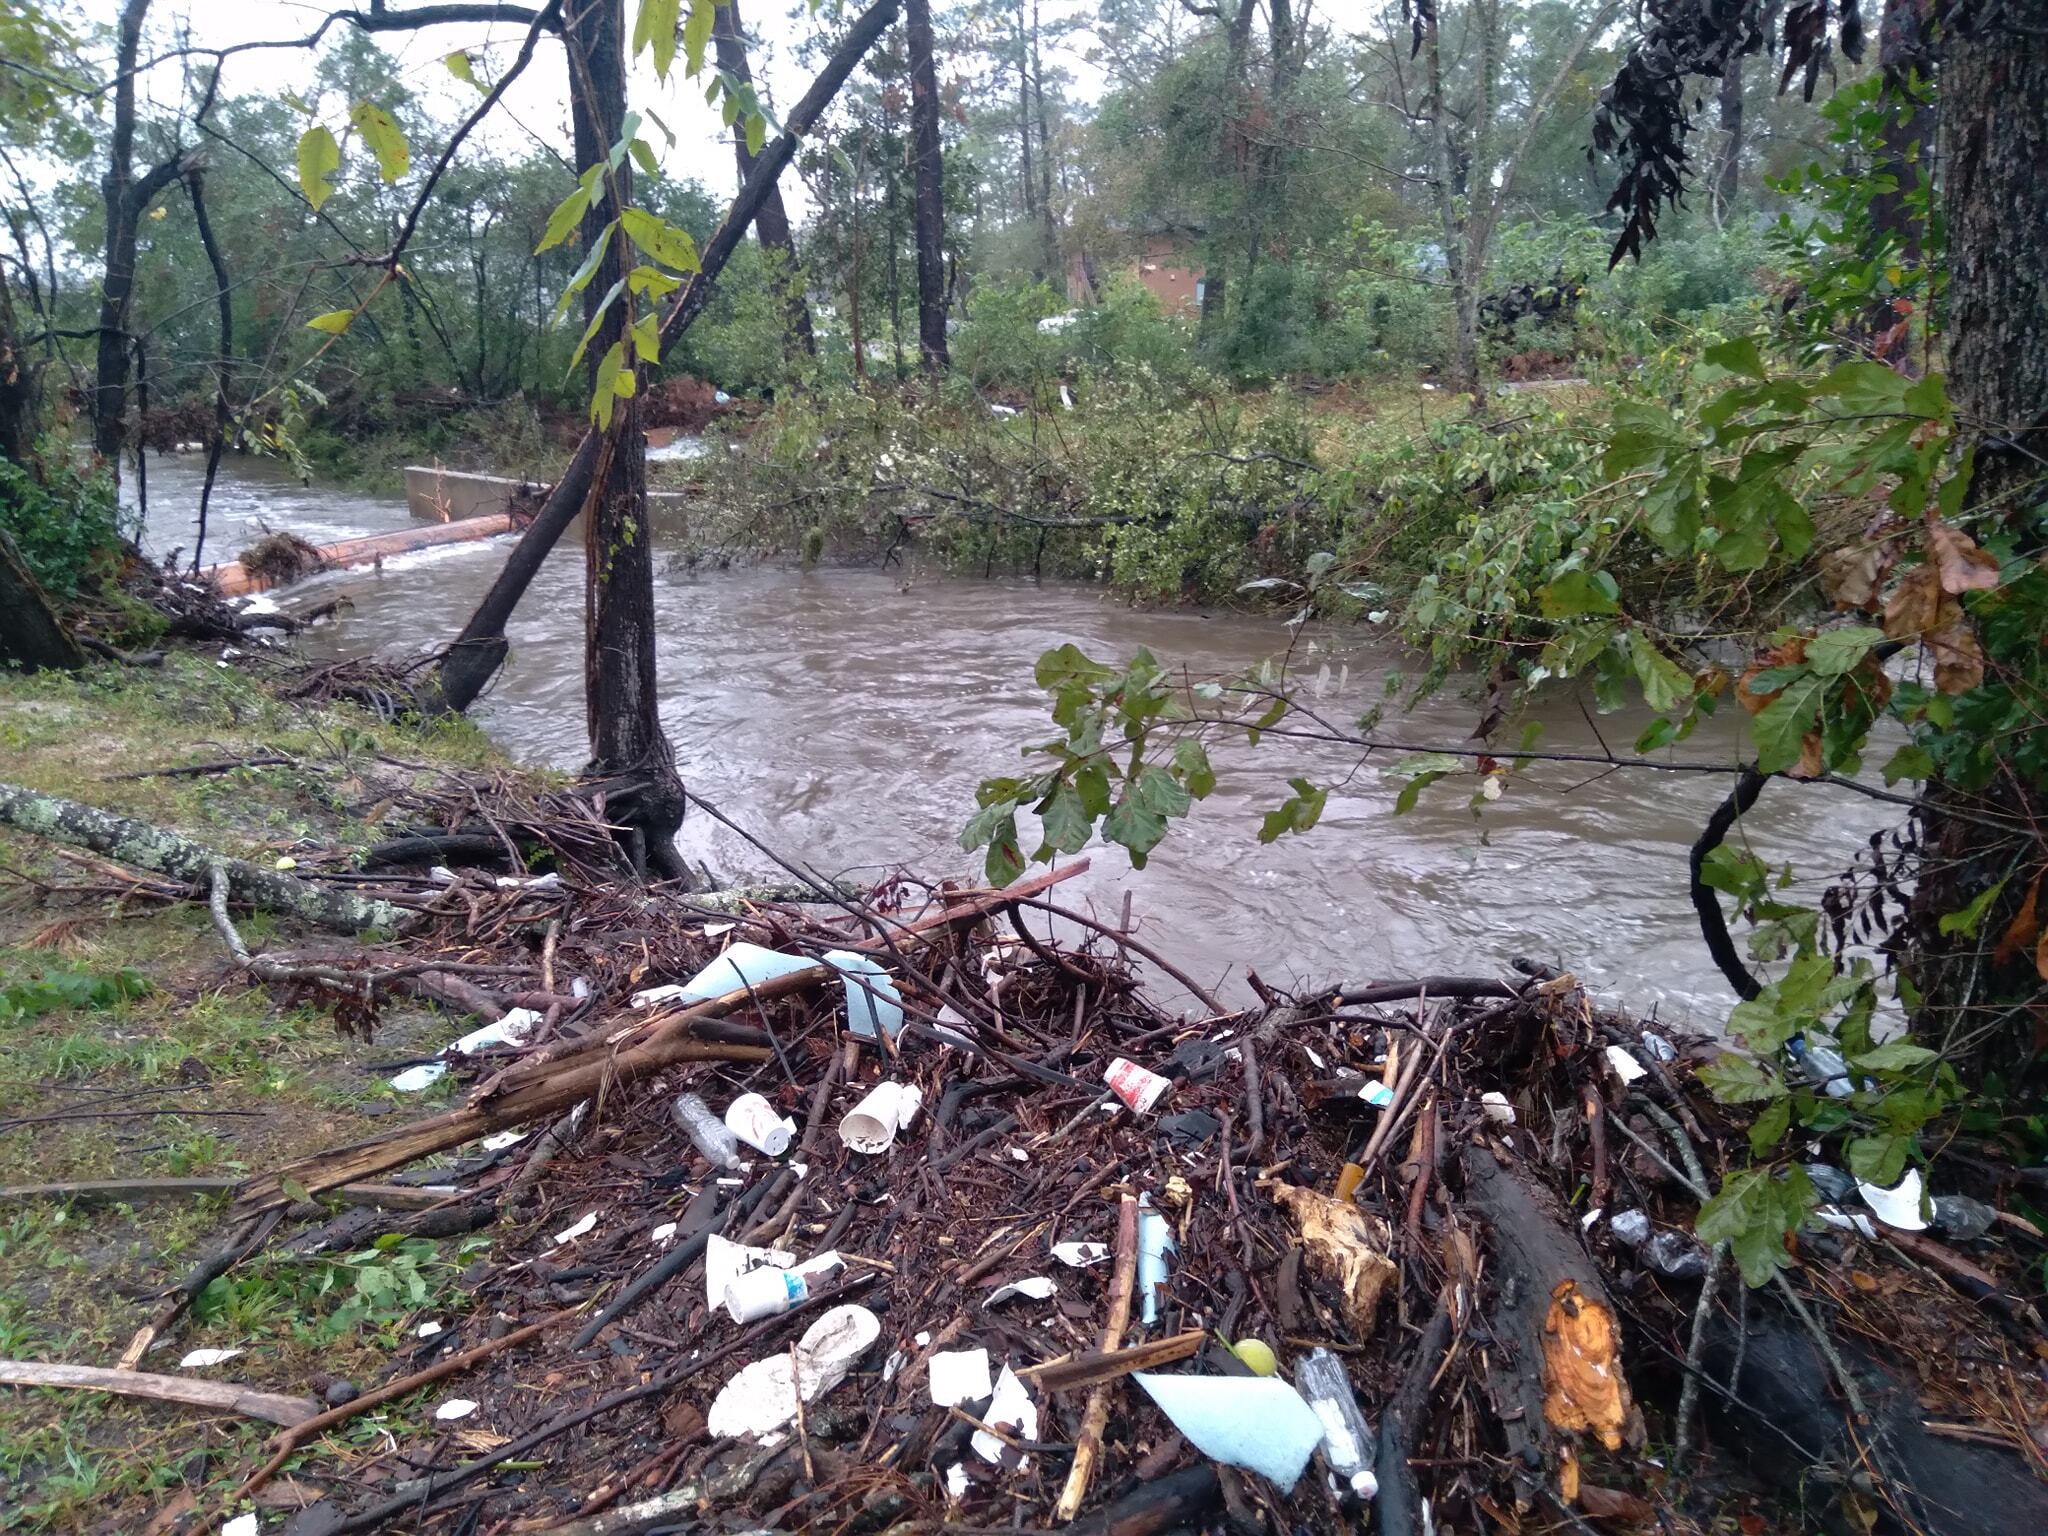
1464, 282
20, 392
1025, 177
629, 752
1994, 152
476, 654
161, 852
771, 220
929, 211
1048, 223
1728, 178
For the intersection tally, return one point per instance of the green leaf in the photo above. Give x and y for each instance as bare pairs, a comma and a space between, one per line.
1577, 593
1005, 861
1297, 813
1737, 1079
660, 240
334, 322
643, 156
1752, 1213
655, 26
1656, 736
696, 35
1275, 713
646, 334
1160, 793
293, 1190
567, 215
757, 132
590, 330
580, 279
1065, 819
1878, 1159
1836, 651
984, 823
1912, 761
459, 66
1782, 724
1666, 685
319, 159
1738, 357
1191, 759
605, 394
386, 139
1966, 921
1769, 1128
1896, 1056
1134, 827
652, 282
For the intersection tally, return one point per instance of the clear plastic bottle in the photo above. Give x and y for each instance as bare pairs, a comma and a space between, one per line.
707, 1130
1348, 1443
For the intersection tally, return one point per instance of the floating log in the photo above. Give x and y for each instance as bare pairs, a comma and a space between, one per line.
234, 580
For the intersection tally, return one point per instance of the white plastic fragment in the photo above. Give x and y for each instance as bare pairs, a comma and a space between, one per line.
956, 1480
199, 1359
725, 1261
583, 1224
515, 1028
871, 1000
1625, 1066
713, 930
762, 1397
547, 882
1846, 1221
1259, 1423
1377, 1094
1010, 1410
427, 1330
1155, 1242
1631, 1227
871, 1125
1080, 1255
1036, 1287
1019, 1155
241, 1525
1495, 1107
662, 1234
959, 1376
1898, 1206
502, 1140
455, 1408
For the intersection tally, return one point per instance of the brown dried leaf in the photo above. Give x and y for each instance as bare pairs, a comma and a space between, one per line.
1348, 1247
1850, 574
1615, 1504
1785, 655
1958, 658
2024, 929
1583, 1388
1915, 607
1964, 566
1811, 764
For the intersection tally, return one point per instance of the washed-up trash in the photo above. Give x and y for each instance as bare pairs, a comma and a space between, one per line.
753, 1120
1011, 1410
241, 1525
1080, 1255
1898, 1206
1139, 1088
661, 1234
547, 882
1257, 1356
1178, 1191
1036, 1287
871, 1000
1625, 1066
1345, 1245
1834, 1185
1190, 1128
1259, 1423
725, 1261
200, 1359
1155, 1242
1495, 1106
959, 1376
455, 1408
1960, 1216
1348, 1443
1676, 1255
953, 1027
571, 1233
515, 1028
707, 1131
502, 1140
1631, 1227
1377, 1094
871, 1125
763, 1397
1657, 1048
1846, 1221
764, 1292
1825, 1065
427, 1330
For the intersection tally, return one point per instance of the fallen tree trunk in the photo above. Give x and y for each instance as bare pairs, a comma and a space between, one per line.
271, 1407
143, 846
235, 579
477, 653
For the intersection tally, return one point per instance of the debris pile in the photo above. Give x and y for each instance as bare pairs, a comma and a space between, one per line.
916, 1208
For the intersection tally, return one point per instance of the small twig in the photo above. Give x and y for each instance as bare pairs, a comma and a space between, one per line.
1689, 1394
1088, 1445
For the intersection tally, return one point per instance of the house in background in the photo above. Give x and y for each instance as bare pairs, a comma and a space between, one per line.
1168, 263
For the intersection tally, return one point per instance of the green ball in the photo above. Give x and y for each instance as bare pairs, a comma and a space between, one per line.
1257, 1354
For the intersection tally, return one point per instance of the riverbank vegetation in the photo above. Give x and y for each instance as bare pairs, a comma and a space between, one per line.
1333, 317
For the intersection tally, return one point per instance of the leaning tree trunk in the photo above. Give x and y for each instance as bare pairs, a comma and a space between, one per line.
629, 753
475, 655
1994, 151
771, 221
31, 637
929, 209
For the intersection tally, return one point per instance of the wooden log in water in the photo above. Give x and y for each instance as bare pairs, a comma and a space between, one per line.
235, 580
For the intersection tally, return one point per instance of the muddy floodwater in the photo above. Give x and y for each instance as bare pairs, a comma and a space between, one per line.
846, 720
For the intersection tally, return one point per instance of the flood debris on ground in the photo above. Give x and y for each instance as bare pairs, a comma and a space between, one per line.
919, 1206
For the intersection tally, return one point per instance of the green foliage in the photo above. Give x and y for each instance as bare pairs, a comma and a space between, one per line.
56, 989
62, 518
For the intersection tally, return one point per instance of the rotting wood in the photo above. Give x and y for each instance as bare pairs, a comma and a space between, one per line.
223, 1396
162, 852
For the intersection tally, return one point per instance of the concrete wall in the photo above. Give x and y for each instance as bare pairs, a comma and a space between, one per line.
441, 495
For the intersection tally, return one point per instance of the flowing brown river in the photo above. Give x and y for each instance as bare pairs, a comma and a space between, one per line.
846, 722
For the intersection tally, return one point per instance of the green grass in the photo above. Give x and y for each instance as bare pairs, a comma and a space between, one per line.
102, 996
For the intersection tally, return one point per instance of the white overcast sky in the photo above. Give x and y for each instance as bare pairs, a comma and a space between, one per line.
536, 106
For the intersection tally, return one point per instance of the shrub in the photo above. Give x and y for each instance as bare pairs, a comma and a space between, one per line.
62, 520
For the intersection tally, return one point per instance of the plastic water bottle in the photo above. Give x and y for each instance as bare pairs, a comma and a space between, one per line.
1348, 1443
707, 1130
